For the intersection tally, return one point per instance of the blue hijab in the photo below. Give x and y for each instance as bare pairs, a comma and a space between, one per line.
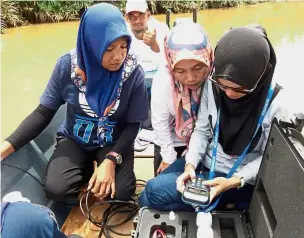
99, 26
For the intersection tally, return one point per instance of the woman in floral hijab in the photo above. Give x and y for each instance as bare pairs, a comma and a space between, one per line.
176, 91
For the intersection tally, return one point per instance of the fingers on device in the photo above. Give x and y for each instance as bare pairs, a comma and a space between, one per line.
196, 193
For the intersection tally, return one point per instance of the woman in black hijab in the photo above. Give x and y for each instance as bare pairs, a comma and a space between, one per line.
237, 106
243, 90
245, 62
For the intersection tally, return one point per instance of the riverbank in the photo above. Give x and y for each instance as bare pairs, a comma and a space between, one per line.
19, 13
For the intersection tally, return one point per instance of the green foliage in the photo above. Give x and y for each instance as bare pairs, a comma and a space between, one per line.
188, 5
10, 15
16, 13
53, 11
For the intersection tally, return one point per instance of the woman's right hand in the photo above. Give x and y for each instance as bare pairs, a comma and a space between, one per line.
189, 173
163, 165
6, 149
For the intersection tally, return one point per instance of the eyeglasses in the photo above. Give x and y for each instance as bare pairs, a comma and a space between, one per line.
224, 87
243, 91
134, 17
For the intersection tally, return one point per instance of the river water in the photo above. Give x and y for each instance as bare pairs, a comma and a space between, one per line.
28, 54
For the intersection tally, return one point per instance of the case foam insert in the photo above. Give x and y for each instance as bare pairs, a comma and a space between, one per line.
224, 224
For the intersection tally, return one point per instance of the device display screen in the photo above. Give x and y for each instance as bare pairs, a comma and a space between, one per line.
198, 191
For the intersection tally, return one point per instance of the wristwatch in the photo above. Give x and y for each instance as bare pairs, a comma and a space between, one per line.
241, 179
115, 157
242, 182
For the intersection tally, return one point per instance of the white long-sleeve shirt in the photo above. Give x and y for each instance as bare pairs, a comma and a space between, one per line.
162, 115
201, 150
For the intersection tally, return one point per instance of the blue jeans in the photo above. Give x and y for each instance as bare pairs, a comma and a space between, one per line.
160, 192
27, 220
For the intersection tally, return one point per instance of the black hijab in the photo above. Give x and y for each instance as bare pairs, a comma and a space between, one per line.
241, 56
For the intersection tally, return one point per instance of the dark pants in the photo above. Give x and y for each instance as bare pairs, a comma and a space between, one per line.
158, 158
70, 167
147, 124
160, 192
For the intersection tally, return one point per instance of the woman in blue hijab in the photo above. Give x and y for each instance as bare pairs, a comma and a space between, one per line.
104, 91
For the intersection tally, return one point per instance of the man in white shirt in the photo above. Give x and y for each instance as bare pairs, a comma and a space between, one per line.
147, 34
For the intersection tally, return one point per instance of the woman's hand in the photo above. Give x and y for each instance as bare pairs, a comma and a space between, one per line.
6, 149
189, 173
221, 184
102, 182
162, 167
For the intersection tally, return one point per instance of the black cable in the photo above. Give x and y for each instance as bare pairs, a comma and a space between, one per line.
116, 207
129, 207
140, 180
28, 173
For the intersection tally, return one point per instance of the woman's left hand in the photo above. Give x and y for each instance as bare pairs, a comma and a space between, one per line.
102, 183
221, 184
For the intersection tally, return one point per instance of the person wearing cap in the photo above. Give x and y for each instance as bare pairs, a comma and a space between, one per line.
147, 34
148, 44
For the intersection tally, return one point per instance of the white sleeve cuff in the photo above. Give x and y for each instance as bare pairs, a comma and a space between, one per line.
192, 160
246, 176
169, 157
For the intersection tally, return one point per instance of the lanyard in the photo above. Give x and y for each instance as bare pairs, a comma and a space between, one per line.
242, 156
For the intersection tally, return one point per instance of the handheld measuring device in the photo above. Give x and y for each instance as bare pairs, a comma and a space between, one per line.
196, 193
